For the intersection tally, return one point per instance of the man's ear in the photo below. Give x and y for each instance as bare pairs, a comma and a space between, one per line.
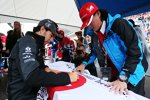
99, 14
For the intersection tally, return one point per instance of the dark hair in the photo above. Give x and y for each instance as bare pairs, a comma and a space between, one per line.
104, 14
36, 29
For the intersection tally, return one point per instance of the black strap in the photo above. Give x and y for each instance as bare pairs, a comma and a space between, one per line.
98, 48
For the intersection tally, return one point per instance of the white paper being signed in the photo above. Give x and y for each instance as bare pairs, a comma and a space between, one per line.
91, 90
61, 66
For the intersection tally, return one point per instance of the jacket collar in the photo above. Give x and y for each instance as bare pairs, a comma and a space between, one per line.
110, 21
39, 39
103, 28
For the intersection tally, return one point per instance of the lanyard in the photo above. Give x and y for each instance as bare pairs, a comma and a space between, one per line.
105, 53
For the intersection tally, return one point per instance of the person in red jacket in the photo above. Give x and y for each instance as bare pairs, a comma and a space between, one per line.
66, 46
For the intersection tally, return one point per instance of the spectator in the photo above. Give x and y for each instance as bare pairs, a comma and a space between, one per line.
27, 71
80, 39
66, 46
11, 39
54, 48
13, 36
115, 44
81, 56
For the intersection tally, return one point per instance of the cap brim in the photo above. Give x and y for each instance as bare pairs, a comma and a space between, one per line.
91, 18
84, 24
87, 22
55, 33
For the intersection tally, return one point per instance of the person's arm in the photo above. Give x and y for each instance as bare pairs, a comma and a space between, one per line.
91, 60
88, 32
133, 67
33, 76
82, 66
39, 77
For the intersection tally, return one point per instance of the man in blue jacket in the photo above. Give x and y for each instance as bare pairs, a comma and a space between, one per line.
115, 44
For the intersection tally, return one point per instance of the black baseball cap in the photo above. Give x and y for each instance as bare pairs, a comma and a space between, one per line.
50, 25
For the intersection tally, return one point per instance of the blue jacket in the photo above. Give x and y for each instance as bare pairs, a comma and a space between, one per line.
124, 49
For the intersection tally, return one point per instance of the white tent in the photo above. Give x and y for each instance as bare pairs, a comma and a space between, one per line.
63, 12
